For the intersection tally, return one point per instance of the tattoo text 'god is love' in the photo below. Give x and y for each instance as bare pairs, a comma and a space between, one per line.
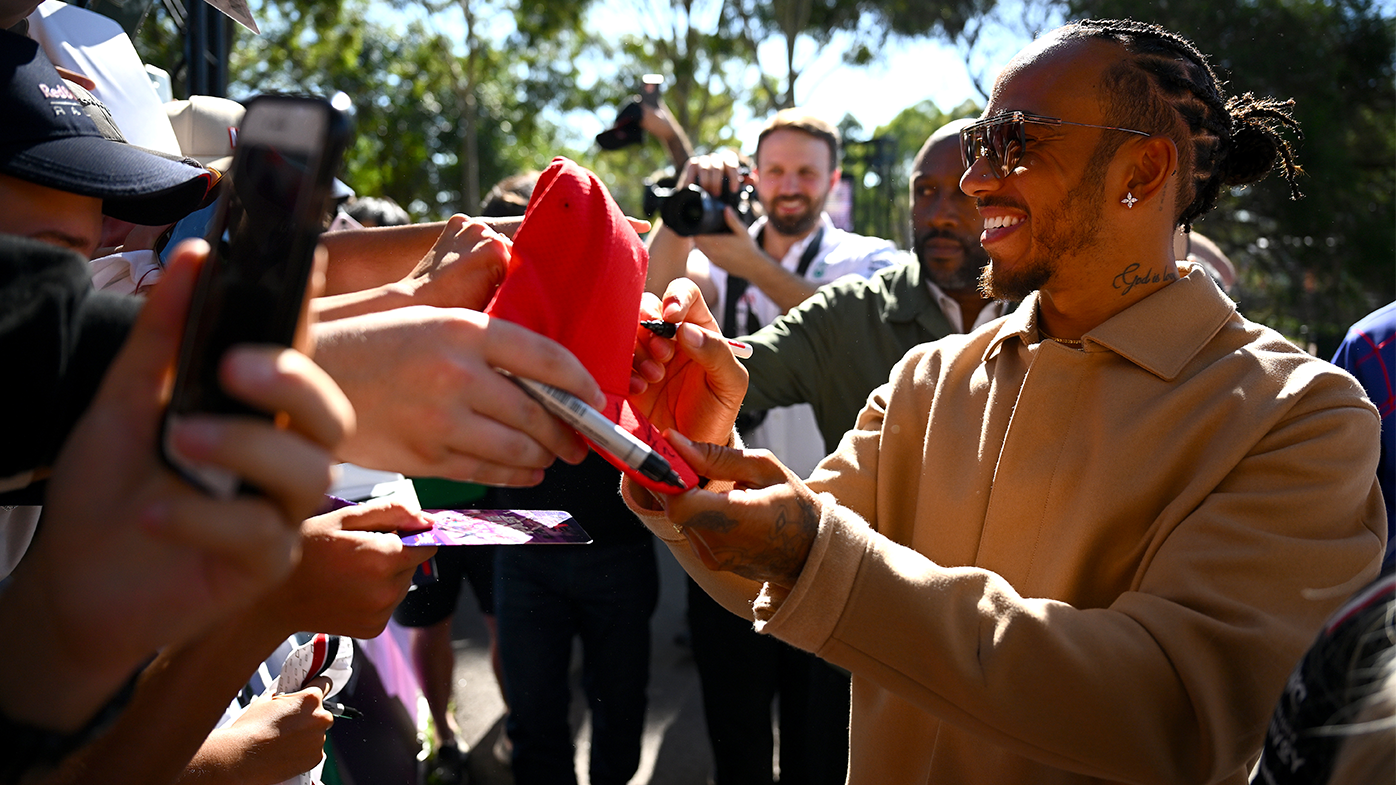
1131, 278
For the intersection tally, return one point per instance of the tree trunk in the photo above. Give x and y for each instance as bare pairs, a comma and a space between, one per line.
469, 116
793, 16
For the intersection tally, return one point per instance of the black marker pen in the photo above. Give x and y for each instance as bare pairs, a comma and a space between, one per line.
340, 711
669, 329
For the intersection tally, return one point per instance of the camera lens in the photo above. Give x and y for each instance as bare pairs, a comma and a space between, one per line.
690, 211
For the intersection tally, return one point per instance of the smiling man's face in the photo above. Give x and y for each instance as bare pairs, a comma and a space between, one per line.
793, 180
1042, 219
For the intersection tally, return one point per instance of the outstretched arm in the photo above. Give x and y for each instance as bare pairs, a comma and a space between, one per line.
662, 125
354, 570
761, 529
462, 270
366, 258
430, 402
273, 740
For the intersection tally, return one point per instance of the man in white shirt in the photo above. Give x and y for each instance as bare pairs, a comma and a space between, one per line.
751, 275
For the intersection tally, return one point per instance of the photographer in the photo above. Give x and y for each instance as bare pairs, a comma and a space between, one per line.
749, 277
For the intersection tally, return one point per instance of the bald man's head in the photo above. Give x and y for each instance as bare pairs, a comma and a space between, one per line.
945, 225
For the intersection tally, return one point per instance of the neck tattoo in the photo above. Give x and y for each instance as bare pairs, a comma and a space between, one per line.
1130, 277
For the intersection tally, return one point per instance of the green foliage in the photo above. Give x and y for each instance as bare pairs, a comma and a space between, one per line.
161, 44
701, 91
911, 128
863, 28
427, 101
1314, 266
706, 50
420, 87
406, 82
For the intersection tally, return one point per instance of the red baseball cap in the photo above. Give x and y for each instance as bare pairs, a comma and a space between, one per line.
576, 275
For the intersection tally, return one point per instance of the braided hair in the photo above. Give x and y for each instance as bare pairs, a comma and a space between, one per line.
1166, 86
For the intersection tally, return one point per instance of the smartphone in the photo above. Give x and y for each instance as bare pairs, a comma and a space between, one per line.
262, 239
650, 87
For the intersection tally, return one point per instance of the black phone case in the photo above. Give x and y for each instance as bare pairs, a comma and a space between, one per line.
246, 292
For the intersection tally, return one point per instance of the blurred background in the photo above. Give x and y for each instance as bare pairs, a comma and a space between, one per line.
453, 95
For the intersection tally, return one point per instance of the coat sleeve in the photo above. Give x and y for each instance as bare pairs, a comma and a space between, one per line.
784, 351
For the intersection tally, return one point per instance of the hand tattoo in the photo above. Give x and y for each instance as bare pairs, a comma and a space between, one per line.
778, 558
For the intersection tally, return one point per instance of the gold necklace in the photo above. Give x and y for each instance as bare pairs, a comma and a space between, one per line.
1075, 343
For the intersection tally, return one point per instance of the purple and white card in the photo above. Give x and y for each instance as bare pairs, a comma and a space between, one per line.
499, 527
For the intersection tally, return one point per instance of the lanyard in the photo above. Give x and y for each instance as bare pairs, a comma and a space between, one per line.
736, 287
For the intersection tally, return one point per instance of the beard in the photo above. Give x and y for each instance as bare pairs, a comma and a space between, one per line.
1059, 233
966, 275
799, 223
1016, 285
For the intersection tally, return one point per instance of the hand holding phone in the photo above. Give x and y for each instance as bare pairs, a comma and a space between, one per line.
263, 236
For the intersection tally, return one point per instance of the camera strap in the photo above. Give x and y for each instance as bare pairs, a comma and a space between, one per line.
736, 287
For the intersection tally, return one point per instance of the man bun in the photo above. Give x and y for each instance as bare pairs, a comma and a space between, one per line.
1257, 146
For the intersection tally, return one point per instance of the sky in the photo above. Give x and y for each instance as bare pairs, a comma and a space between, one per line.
907, 73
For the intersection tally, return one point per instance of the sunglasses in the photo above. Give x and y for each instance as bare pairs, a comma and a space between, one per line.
1002, 138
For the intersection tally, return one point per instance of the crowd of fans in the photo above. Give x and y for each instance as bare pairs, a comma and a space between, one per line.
1027, 502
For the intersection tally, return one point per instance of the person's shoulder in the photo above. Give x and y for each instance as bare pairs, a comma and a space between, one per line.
877, 288
1270, 367
852, 245
1368, 352
903, 270
847, 249
1374, 328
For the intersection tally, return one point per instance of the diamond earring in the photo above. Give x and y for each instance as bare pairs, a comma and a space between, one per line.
1129, 200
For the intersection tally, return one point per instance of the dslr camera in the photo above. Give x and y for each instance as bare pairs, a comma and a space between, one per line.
691, 210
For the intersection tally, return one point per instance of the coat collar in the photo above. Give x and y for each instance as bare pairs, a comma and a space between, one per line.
1161, 333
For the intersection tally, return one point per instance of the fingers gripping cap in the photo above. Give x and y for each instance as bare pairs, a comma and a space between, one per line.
576, 275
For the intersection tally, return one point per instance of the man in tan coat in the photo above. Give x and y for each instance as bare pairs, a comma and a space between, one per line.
1087, 541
